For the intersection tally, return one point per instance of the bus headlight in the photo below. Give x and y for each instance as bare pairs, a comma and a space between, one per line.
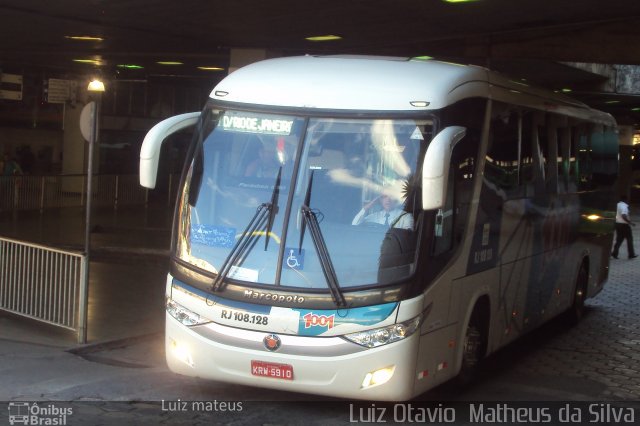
184, 315
382, 336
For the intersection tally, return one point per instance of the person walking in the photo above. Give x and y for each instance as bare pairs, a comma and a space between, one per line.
623, 229
11, 167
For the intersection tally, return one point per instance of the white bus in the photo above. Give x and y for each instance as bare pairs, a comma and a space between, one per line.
369, 228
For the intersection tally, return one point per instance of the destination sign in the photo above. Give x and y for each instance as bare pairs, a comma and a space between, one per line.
256, 125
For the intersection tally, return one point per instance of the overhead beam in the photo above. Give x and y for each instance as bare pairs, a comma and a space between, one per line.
611, 43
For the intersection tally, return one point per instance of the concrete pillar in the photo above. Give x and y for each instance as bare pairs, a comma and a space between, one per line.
74, 149
74, 145
625, 139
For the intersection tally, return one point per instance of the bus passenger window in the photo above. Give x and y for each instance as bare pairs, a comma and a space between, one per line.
564, 158
526, 155
501, 168
583, 163
540, 154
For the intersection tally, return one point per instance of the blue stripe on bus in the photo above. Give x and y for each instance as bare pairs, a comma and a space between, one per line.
313, 322
215, 300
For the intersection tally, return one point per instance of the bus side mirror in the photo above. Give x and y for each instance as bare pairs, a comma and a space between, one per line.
436, 165
150, 150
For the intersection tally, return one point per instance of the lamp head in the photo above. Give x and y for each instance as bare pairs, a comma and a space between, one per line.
96, 86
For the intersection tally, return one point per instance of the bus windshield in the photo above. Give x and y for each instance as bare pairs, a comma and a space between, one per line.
302, 201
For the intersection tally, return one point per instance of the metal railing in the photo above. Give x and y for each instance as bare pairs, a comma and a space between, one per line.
49, 284
44, 283
41, 192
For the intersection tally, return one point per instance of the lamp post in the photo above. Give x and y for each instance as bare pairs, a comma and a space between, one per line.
96, 87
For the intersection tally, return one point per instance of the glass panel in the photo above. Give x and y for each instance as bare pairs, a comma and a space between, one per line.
359, 177
502, 159
241, 159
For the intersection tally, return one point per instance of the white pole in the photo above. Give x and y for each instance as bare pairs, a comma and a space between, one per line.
84, 290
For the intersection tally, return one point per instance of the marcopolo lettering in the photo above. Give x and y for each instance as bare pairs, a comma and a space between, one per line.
272, 297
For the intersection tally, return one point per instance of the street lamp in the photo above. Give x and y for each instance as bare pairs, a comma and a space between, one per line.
96, 86
89, 128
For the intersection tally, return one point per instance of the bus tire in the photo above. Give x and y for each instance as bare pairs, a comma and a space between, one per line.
575, 313
473, 350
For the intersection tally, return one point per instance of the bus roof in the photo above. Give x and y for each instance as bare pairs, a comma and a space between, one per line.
364, 83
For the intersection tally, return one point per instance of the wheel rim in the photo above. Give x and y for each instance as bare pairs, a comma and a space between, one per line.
580, 296
471, 348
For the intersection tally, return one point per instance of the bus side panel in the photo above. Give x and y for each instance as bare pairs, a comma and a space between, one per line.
436, 358
527, 251
595, 236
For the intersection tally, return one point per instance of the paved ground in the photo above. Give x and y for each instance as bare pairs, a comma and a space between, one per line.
121, 378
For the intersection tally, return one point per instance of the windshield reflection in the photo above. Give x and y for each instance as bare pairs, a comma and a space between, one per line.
364, 200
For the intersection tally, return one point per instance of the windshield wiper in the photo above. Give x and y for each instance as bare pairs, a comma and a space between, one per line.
273, 211
240, 247
262, 220
310, 219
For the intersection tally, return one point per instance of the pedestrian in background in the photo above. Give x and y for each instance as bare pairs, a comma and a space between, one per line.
8, 184
11, 167
623, 229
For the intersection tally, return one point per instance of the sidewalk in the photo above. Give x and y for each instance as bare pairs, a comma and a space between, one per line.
129, 263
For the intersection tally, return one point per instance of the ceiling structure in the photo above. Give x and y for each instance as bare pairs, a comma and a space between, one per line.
523, 38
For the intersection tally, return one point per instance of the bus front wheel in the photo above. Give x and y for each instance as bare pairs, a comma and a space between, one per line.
471, 350
576, 311
472, 354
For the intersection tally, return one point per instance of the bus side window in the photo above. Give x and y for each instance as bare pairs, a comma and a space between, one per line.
464, 166
564, 158
527, 174
451, 219
539, 145
574, 171
502, 161
583, 162
551, 156
444, 221
605, 154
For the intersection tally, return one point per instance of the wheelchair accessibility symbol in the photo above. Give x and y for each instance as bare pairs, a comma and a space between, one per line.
295, 258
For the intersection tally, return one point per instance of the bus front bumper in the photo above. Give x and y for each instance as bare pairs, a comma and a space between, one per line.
328, 366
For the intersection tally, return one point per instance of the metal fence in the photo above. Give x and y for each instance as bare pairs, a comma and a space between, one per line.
50, 284
43, 283
41, 192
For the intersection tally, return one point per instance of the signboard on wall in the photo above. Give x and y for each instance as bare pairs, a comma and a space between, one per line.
58, 91
11, 86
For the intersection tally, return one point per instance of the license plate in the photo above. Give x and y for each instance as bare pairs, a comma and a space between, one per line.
270, 369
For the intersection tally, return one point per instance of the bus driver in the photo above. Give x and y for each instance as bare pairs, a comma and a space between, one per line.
390, 215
